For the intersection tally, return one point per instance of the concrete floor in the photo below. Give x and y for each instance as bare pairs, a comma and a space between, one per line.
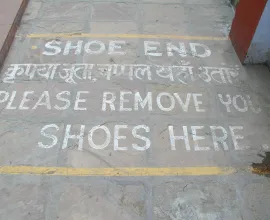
178, 99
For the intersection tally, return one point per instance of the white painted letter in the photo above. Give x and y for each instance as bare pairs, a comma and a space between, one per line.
73, 136
66, 100
114, 45
13, 94
110, 101
78, 100
46, 102
197, 138
206, 53
217, 139
166, 109
181, 50
174, 138
49, 45
183, 105
147, 100
228, 103
78, 48
100, 50
25, 99
245, 108
5, 98
150, 46
53, 137
117, 137
123, 100
197, 102
258, 110
147, 141
106, 142
236, 137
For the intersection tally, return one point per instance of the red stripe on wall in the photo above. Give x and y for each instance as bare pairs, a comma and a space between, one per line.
247, 17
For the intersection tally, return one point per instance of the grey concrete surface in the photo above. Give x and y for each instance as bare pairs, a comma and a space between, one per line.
221, 197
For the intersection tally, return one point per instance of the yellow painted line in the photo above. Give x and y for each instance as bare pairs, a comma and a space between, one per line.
34, 47
143, 171
136, 36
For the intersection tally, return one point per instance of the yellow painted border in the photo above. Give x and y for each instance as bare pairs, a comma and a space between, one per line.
143, 171
136, 36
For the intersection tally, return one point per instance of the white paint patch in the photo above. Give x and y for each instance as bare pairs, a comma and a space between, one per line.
265, 147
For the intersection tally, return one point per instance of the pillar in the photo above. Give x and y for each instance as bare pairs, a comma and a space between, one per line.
250, 31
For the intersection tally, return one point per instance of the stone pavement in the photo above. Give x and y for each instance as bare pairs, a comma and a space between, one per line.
132, 110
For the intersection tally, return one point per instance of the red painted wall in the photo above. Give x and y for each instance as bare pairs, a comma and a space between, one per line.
247, 17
